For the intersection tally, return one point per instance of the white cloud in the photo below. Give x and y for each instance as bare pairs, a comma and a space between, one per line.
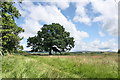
51, 14
61, 5
101, 34
108, 44
108, 10
109, 15
31, 27
81, 15
98, 45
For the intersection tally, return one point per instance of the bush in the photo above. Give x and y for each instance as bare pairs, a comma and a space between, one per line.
21, 52
4, 53
66, 53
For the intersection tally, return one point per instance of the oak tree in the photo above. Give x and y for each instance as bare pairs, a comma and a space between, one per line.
50, 35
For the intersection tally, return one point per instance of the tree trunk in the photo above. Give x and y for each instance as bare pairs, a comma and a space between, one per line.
50, 52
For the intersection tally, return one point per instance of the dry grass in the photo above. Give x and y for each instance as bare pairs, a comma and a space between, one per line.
96, 66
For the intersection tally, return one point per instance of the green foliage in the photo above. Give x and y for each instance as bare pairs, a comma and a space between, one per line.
68, 53
60, 66
9, 29
50, 35
20, 51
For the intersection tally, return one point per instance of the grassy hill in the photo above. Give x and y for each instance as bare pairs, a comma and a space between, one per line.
95, 66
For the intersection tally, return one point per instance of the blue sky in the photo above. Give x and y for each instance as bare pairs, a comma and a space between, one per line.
88, 21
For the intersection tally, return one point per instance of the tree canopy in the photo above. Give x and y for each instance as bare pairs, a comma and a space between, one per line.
9, 29
50, 35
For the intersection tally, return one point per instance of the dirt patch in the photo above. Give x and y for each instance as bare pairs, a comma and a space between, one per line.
96, 56
40, 54
52, 56
64, 56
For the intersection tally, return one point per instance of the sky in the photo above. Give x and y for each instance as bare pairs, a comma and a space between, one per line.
92, 23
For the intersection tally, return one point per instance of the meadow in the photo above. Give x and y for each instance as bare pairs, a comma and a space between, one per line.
60, 66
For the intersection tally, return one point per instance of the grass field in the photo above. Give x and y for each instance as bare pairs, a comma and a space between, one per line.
85, 66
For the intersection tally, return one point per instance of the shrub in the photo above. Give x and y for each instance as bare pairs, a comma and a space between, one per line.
66, 53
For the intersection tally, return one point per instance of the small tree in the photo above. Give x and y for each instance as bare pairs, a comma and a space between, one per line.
9, 29
53, 34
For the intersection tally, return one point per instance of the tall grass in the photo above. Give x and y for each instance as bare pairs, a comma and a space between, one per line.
17, 66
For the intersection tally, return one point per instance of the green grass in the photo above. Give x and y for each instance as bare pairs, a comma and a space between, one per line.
19, 66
